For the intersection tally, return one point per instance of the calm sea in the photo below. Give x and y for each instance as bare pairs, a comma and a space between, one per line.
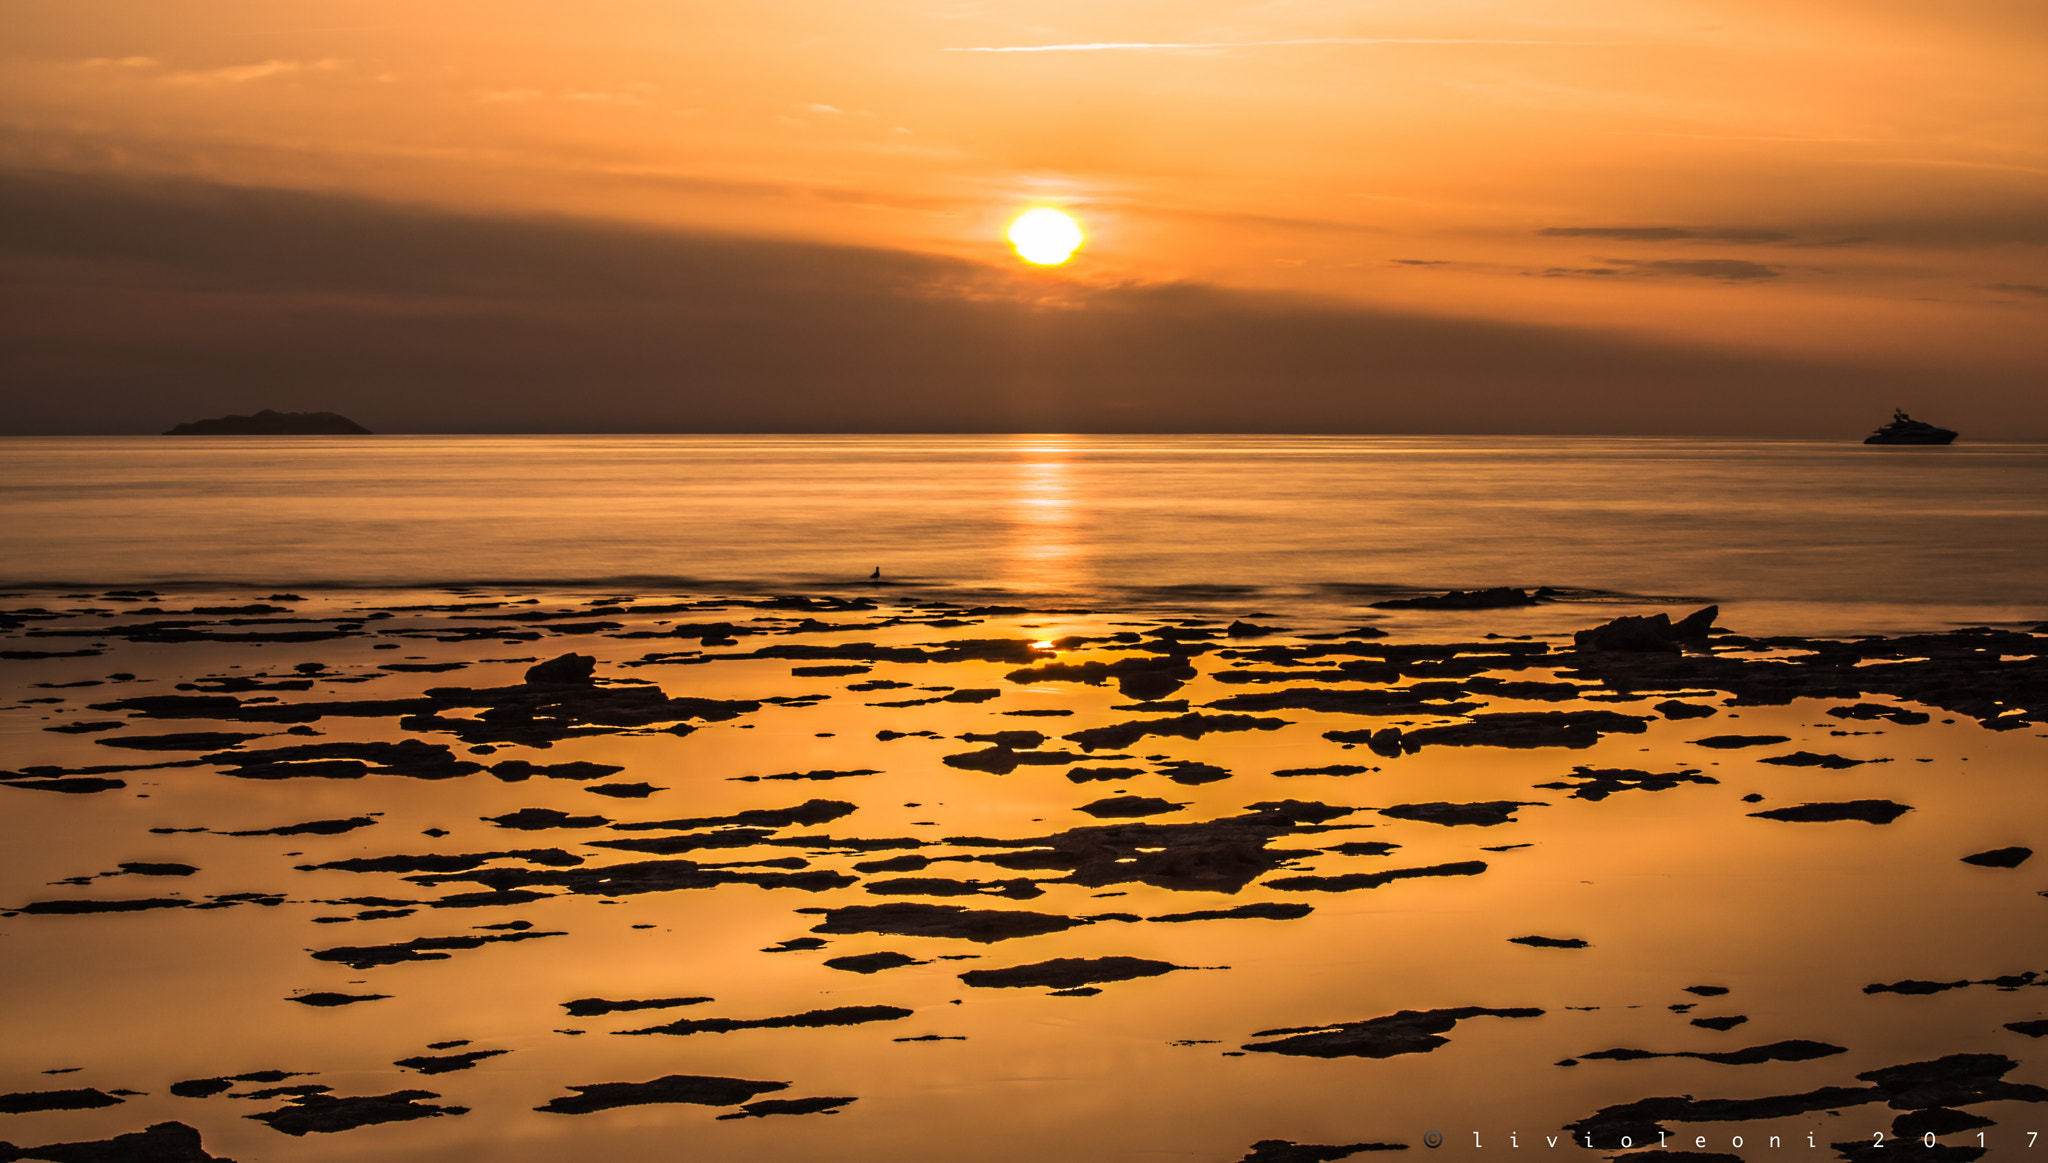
1820, 537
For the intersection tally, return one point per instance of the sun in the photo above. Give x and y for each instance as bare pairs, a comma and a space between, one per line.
1044, 236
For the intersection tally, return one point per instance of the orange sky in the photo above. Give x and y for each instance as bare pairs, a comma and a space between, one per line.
1859, 183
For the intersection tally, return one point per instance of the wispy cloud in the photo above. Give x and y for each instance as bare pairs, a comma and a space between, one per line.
243, 74
1168, 46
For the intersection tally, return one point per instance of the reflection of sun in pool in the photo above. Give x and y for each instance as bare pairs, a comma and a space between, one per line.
1044, 236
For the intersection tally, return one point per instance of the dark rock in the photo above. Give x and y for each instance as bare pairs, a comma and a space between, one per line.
1673, 709
186, 741
1406, 1032
1284, 1151
910, 919
1655, 633
24, 1102
85, 785
1331, 769
871, 962
1550, 942
1868, 811
1068, 972
201, 1087
417, 949
1129, 807
564, 670
1018, 889
1936, 1121
1498, 598
1087, 774
812, 1019
807, 813
812, 775
2000, 858
689, 1088
1730, 742
590, 1007
161, 1143
74, 907
1520, 729
328, 1000
624, 791
1706, 990
1810, 759
443, 1063
789, 1106
2034, 1029
1146, 677
1352, 881
309, 828
1796, 1050
272, 423
1720, 1024
1596, 784
1867, 711
1262, 910
1189, 773
535, 819
516, 770
1484, 815
325, 1114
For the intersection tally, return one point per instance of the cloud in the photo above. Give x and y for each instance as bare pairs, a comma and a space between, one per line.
1156, 46
1665, 233
1725, 269
1420, 262
2019, 289
243, 74
130, 305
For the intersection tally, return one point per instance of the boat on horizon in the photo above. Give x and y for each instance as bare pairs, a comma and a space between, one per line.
1903, 429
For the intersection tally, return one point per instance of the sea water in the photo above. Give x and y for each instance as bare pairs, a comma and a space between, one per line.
1791, 536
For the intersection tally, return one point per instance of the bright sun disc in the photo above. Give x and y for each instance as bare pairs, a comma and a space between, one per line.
1044, 236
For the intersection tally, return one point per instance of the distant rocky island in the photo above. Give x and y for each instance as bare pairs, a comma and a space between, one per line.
269, 423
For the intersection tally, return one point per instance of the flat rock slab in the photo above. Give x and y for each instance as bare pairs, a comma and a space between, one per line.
1262, 910
27, 1102
811, 1019
1484, 815
1868, 811
703, 1090
1285, 1151
1129, 807
417, 949
1351, 881
443, 1063
1814, 759
1731, 742
1794, 1050
871, 962
184, 741
2000, 858
762, 1108
161, 1143
1068, 972
328, 1000
1406, 1032
1550, 942
326, 1114
910, 919
590, 1007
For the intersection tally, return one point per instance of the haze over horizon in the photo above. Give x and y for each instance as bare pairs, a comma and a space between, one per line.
1714, 217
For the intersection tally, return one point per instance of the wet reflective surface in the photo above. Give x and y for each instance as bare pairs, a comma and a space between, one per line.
1188, 1038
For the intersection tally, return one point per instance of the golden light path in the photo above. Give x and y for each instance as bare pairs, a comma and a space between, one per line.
1044, 236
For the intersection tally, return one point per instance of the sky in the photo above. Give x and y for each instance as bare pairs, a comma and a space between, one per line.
1689, 217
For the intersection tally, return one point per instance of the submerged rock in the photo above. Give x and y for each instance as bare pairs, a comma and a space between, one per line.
326, 1114
1068, 972
703, 1090
1406, 1032
1868, 811
160, 1143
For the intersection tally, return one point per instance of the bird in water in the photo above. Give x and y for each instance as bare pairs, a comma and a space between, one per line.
877, 575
